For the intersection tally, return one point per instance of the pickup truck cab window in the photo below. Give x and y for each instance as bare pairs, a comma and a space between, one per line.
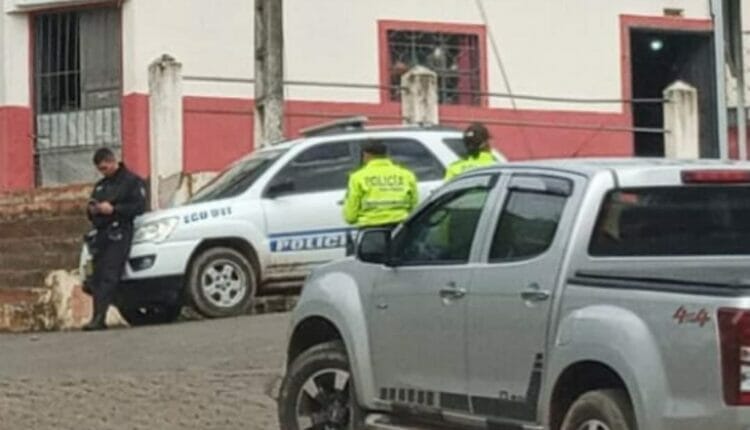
669, 221
444, 232
530, 217
527, 225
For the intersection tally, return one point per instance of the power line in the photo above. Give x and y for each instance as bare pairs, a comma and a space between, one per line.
363, 86
496, 51
563, 126
503, 72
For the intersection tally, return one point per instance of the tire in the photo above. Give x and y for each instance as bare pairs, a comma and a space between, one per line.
600, 410
150, 314
324, 369
221, 283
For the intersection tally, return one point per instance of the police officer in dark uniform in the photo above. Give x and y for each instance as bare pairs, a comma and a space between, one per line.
117, 199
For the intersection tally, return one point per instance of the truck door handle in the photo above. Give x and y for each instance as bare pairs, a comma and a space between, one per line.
451, 292
535, 294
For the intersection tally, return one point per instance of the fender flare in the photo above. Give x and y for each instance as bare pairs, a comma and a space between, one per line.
336, 298
619, 339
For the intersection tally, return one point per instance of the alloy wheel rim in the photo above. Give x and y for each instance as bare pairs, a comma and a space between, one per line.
324, 401
224, 284
593, 425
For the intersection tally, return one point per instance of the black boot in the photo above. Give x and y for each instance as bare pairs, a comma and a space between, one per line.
98, 322
86, 288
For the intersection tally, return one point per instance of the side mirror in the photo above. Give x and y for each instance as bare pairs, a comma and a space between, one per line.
279, 188
374, 246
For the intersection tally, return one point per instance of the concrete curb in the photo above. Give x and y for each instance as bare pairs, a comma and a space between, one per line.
62, 305
72, 306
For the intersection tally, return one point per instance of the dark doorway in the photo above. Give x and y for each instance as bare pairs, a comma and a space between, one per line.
658, 58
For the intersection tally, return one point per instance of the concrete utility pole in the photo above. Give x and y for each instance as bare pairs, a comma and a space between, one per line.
166, 135
734, 15
269, 72
419, 96
681, 119
717, 11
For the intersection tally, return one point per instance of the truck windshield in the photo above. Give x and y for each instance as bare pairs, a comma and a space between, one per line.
238, 177
674, 221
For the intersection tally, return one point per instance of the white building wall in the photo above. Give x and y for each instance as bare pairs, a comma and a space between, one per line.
208, 40
31, 5
15, 30
211, 39
14, 60
2, 54
548, 47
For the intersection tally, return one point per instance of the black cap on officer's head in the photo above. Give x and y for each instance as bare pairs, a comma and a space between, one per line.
475, 136
375, 147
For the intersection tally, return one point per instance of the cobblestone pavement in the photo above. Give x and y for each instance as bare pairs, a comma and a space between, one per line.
208, 375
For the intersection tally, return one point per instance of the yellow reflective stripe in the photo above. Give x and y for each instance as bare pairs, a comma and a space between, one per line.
396, 204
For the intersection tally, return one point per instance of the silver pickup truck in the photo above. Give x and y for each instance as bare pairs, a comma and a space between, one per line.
572, 294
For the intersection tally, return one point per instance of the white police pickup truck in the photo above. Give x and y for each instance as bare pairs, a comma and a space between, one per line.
263, 222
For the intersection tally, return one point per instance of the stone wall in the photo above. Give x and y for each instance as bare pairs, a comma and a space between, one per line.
40, 242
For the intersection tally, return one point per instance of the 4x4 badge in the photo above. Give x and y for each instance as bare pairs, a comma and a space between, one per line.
700, 317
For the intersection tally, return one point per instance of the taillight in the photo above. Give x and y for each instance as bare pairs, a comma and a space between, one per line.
734, 331
715, 176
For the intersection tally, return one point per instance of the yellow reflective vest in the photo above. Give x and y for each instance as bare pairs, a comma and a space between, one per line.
380, 193
482, 159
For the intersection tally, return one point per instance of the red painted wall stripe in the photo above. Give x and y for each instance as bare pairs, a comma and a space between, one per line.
16, 148
517, 143
216, 131
219, 130
135, 133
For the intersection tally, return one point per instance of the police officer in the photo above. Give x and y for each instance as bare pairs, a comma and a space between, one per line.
478, 154
117, 199
381, 193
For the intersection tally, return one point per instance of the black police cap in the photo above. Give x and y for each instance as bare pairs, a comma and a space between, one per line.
476, 134
374, 147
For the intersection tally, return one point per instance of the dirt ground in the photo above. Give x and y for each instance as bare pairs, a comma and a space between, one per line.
204, 375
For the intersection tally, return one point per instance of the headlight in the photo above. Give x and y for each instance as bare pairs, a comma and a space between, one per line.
155, 231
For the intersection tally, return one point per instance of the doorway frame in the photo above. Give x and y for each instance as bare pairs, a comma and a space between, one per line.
653, 23
32, 14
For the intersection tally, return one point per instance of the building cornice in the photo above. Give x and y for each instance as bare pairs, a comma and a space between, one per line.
21, 6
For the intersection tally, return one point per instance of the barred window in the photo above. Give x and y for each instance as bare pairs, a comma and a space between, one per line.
77, 60
455, 57
58, 62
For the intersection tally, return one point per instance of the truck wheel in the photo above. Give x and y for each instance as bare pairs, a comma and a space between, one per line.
150, 314
318, 392
221, 283
600, 410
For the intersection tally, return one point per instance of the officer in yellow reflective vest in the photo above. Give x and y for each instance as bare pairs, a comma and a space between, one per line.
381, 193
478, 154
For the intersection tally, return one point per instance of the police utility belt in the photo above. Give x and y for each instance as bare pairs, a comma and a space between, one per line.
97, 237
